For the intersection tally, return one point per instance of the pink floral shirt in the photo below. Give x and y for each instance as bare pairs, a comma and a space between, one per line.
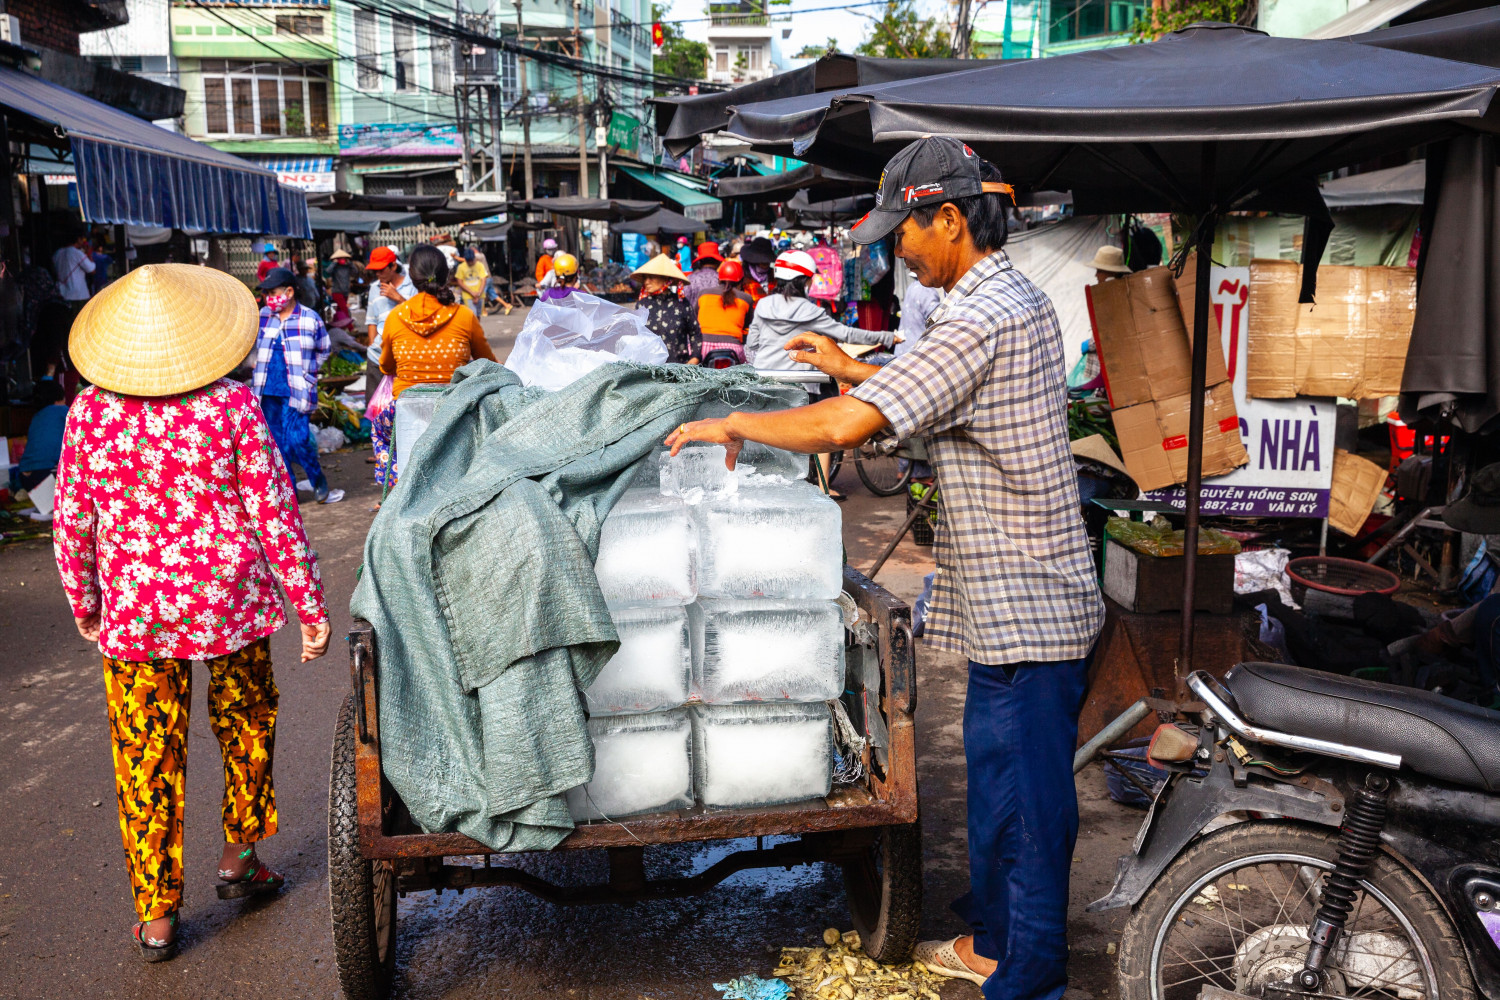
172, 516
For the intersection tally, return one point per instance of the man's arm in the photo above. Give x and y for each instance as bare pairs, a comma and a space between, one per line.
831, 425
824, 354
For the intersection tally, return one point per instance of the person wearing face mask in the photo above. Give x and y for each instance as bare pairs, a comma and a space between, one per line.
289, 352
668, 316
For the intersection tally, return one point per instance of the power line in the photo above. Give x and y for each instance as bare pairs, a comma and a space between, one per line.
419, 16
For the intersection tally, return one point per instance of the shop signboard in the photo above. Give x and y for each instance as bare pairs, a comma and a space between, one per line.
386, 139
307, 180
624, 133
1290, 441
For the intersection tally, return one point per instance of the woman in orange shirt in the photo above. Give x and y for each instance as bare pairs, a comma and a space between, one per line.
723, 318
429, 336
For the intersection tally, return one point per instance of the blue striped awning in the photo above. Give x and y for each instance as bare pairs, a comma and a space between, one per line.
131, 171
297, 164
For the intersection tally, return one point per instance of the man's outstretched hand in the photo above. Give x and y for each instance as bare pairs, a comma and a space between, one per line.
710, 431
824, 354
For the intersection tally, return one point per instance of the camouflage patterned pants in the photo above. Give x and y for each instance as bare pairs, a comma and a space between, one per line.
148, 720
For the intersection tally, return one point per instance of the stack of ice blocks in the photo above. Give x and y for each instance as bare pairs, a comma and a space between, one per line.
722, 588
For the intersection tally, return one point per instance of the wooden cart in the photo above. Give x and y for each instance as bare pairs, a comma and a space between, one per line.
870, 830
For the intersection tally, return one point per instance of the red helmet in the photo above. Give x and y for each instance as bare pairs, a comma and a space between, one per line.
731, 271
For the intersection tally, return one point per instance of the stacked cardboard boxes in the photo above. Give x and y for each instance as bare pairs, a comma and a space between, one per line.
1145, 350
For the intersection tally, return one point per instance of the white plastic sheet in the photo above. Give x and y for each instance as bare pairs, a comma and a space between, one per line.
563, 341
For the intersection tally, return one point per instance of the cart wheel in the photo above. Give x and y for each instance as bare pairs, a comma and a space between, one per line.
885, 893
361, 893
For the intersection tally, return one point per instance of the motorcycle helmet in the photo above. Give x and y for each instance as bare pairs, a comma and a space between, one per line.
565, 264
730, 271
795, 264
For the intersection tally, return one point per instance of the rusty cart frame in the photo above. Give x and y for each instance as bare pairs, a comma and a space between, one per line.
375, 851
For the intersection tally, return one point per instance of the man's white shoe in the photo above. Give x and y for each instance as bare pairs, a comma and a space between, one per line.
941, 959
334, 496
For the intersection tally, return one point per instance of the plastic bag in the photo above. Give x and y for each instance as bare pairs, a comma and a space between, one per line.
562, 342
382, 397
874, 262
1158, 539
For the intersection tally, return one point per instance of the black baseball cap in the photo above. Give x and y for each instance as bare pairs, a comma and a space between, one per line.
930, 171
278, 277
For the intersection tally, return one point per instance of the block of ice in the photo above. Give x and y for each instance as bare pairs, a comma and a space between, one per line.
646, 551
651, 671
642, 764
768, 650
757, 755
768, 461
414, 412
698, 465
773, 541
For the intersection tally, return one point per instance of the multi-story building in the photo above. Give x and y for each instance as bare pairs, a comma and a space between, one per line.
1021, 29
744, 43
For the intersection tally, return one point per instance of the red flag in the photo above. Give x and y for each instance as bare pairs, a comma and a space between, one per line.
658, 37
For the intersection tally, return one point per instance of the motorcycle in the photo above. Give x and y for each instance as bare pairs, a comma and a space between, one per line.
1317, 836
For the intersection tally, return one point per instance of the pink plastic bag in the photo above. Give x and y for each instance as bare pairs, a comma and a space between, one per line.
382, 398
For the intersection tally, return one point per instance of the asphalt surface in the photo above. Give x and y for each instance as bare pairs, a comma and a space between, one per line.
65, 908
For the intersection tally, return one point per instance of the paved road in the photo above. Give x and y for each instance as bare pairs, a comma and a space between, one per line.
65, 907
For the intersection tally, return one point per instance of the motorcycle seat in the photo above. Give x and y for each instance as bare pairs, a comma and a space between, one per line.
1442, 738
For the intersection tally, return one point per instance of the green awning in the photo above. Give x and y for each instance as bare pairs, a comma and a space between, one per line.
694, 203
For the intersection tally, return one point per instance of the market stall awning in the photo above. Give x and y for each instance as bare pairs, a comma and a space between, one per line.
662, 221
435, 209
1473, 37
788, 181
347, 221
695, 204
601, 209
131, 171
836, 210
1403, 185
681, 121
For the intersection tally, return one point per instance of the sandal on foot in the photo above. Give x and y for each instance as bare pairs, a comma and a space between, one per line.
941, 959
152, 949
257, 879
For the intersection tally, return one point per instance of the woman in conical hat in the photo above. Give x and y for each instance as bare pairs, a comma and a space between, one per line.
668, 315
175, 520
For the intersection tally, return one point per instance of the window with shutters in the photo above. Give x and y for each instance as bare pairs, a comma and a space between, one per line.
367, 50
404, 43
442, 64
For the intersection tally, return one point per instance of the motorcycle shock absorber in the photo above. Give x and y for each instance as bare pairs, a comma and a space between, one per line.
1359, 842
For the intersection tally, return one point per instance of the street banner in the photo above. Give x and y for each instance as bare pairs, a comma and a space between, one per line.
381, 139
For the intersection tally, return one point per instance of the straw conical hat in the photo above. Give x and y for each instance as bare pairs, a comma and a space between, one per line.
164, 329
662, 266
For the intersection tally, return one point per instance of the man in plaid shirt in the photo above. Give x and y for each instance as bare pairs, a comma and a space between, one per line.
1015, 589
291, 348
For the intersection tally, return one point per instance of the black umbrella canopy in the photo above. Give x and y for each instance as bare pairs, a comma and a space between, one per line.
663, 220
681, 121
602, 209
1469, 37
1125, 128
774, 187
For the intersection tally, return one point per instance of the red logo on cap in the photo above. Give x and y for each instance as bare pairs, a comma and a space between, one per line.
861, 221
915, 191
967, 150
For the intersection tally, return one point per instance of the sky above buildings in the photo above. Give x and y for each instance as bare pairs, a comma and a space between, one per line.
812, 22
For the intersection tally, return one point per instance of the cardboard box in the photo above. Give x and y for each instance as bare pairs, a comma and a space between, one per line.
1154, 438
1145, 348
1148, 584
1357, 483
1351, 342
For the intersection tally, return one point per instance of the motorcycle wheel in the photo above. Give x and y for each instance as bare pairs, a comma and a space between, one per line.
1234, 908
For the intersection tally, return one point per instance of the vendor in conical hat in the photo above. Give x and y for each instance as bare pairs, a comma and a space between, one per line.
668, 315
175, 522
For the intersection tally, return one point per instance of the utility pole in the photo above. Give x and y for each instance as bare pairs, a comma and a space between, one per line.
583, 139
477, 96
961, 31
521, 71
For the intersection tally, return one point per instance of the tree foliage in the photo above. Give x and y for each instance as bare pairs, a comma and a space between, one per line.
679, 56
828, 48
900, 32
1174, 15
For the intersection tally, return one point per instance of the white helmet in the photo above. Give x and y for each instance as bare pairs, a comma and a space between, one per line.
793, 264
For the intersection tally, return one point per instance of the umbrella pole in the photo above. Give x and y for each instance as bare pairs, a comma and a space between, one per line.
1203, 254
